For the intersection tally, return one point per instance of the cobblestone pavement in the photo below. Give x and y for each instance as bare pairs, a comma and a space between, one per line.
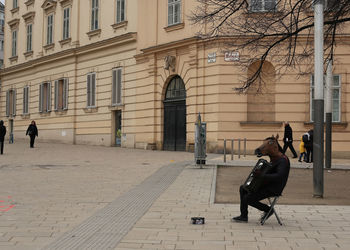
52, 190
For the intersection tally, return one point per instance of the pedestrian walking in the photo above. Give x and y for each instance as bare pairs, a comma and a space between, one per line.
302, 150
32, 131
308, 139
2, 135
288, 139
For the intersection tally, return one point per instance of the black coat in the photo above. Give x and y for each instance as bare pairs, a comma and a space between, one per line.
276, 179
32, 130
2, 132
288, 133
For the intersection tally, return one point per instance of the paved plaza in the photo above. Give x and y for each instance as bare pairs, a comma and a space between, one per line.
59, 196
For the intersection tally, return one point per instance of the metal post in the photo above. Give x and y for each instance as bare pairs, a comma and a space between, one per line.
245, 147
239, 148
328, 109
224, 150
318, 101
232, 147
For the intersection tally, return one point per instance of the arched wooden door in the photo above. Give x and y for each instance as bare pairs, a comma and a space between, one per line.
175, 116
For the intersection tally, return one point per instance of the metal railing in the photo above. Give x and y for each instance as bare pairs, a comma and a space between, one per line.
239, 147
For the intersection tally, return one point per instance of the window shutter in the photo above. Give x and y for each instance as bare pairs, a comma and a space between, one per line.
7, 103
93, 90
88, 102
41, 95
56, 96
14, 103
65, 93
48, 96
119, 86
24, 100
114, 87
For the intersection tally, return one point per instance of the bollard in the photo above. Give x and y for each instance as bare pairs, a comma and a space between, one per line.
239, 148
245, 147
224, 150
232, 140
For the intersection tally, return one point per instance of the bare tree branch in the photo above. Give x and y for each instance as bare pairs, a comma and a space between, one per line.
270, 29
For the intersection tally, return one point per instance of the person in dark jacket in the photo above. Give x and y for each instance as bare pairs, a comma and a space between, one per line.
32, 131
309, 146
2, 135
288, 139
274, 182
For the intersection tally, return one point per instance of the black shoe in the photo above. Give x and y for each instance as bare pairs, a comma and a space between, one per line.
295, 157
265, 216
240, 219
299, 160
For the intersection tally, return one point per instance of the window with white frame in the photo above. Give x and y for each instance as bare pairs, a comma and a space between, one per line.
49, 31
14, 43
11, 102
120, 11
45, 97
66, 23
117, 86
61, 94
29, 37
15, 4
94, 14
174, 12
91, 90
336, 98
26, 100
263, 5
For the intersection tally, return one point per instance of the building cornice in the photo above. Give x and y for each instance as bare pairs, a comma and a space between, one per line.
168, 46
13, 23
65, 3
29, 17
29, 2
118, 40
49, 5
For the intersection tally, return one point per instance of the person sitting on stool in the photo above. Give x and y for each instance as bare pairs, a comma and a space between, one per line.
274, 181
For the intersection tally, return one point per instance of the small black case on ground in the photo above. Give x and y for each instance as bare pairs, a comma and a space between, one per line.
197, 220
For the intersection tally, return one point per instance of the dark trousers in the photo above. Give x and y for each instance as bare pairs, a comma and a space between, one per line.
2, 147
309, 154
32, 139
253, 199
290, 146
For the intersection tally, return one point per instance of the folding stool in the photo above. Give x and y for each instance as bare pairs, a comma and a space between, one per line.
272, 200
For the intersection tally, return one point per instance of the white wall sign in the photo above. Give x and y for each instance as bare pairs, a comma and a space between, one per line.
231, 56
212, 57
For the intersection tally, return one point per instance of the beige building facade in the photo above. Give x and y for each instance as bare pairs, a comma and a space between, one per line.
107, 72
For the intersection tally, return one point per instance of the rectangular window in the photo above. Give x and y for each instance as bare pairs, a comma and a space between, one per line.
94, 14
61, 94
66, 21
263, 5
45, 97
15, 4
14, 43
49, 37
91, 90
117, 86
174, 12
26, 100
11, 102
120, 11
336, 105
29, 37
